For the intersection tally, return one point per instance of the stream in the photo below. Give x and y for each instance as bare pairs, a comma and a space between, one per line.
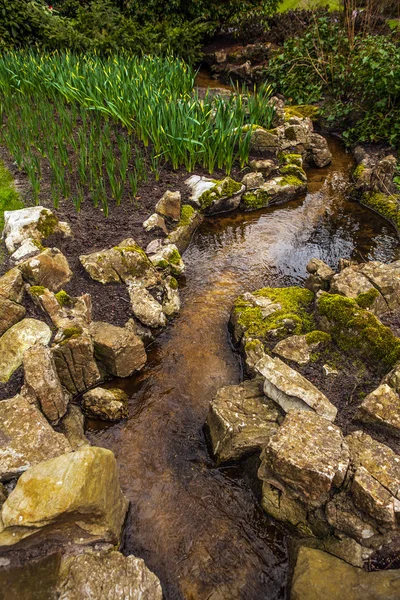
198, 527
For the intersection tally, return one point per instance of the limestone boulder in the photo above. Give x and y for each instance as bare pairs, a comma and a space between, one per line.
145, 308
291, 390
10, 313
118, 264
118, 349
386, 279
171, 301
252, 181
43, 384
169, 206
72, 426
75, 363
169, 259
26, 438
346, 519
16, 341
319, 575
79, 489
12, 285
156, 224
65, 311
381, 407
308, 454
212, 196
98, 575
241, 420
49, 269
35, 222
105, 404
273, 192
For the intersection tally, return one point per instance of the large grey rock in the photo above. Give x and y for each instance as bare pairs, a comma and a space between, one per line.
43, 383
26, 438
48, 269
107, 575
118, 264
105, 404
381, 407
169, 205
35, 222
241, 420
75, 363
145, 307
16, 341
320, 575
79, 489
118, 349
308, 454
212, 196
291, 390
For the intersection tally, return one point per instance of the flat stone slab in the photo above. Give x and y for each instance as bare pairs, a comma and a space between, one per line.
26, 438
107, 575
319, 575
16, 340
308, 454
80, 488
241, 420
291, 390
381, 407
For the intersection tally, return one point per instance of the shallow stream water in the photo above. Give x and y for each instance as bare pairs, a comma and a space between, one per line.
198, 527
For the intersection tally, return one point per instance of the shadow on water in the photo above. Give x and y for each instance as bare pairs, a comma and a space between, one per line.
200, 528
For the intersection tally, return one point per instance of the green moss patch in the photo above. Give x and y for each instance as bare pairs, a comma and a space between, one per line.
367, 299
385, 205
9, 197
354, 328
255, 200
296, 305
222, 189
63, 298
290, 159
302, 111
358, 171
47, 224
295, 171
37, 290
318, 337
291, 180
187, 214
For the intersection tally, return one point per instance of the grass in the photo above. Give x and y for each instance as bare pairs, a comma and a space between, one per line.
100, 124
306, 4
9, 197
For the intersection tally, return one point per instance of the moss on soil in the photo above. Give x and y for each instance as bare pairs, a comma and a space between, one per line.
354, 328
295, 302
385, 205
318, 337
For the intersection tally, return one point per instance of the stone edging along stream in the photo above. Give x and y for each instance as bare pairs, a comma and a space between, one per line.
55, 485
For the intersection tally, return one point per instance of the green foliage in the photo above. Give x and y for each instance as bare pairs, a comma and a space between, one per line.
360, 82
9, 198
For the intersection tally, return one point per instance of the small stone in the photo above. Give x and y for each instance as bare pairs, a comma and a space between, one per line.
308, 454
381, 407
372, 498
105, 404
241, 420
72, 426
26, 438
320, 275
65, 311
106, 576
75, 363
48, 269
156, 223
154, 246
296, 348
16, 341
291, 390
145, 307
320, 575
343, 515
214, 197
169, 259
25, 251
252, 181
321, 154
120, 351
170, 205
330, 371
43, 384
268, 167
171, 302
79, 489
35, 222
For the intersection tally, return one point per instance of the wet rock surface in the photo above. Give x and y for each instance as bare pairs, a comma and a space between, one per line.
105, 404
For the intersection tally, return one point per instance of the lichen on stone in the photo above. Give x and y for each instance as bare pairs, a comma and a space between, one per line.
295, 305
293, 170
255, 201
290, 180
222, 189
47, 223
358, 171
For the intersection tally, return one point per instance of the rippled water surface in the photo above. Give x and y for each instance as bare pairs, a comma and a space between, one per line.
198, 527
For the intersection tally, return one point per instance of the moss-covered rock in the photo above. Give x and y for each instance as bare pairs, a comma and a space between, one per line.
273, 192
388, 206
302, 111
356, 329
290, 309
62, 298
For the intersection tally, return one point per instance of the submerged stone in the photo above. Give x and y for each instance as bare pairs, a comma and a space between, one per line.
241, 420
